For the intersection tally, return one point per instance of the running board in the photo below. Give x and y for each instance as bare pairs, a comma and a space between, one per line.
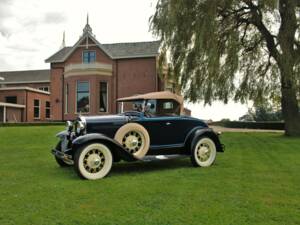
151, 158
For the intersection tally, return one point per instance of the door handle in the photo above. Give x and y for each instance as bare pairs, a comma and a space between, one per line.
168, 123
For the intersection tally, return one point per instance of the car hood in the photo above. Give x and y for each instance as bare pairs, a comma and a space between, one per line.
104, 119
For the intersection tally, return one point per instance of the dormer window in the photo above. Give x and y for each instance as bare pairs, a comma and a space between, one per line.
89, 56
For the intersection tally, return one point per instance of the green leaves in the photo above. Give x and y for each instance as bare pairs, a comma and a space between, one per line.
217, 51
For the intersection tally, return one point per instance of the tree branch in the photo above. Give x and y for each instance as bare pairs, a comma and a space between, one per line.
256, 20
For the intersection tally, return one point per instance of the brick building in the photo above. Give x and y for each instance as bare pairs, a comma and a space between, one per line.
87, 78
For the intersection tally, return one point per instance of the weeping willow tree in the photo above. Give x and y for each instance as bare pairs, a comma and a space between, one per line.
228, 49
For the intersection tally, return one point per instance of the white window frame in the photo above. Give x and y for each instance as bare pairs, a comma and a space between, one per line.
76, 112
44, 87
107, 91
39, 107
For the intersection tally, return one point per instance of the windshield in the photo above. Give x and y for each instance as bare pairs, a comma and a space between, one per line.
152, 107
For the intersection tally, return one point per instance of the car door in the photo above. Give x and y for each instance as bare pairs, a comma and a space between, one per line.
166, 130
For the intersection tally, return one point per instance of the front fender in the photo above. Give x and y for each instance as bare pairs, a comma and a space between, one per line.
117, 150
203, 131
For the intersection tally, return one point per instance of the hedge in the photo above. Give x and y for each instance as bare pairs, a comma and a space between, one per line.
251, 125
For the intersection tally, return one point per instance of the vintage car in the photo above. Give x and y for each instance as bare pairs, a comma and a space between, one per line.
155, 128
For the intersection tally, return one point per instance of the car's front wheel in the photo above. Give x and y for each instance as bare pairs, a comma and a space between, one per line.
203, 152
93, 161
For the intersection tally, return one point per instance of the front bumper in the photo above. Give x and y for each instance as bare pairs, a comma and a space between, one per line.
62, 155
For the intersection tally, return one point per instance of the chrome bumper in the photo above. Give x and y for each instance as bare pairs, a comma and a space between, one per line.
62, 155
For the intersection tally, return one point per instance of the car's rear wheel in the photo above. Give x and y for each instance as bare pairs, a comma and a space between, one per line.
134, 138
93, 161
61, 162
203, 152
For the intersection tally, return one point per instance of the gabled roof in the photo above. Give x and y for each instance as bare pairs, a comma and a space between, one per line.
28, 76
116, 51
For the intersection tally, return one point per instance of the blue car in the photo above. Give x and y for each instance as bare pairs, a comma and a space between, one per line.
151, 127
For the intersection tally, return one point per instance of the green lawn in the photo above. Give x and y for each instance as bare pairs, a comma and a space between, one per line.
256, 181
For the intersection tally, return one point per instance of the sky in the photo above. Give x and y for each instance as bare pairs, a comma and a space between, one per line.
32, 30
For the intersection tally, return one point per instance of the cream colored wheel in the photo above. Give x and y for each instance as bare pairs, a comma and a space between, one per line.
204, 152
93, 161
134, 138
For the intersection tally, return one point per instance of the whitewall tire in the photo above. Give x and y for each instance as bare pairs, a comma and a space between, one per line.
134, 138
203, 152
93, 161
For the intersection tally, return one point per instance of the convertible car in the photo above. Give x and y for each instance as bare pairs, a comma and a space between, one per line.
151, 127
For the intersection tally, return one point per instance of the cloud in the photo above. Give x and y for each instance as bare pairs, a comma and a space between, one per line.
54, 17
5, 13
21, 48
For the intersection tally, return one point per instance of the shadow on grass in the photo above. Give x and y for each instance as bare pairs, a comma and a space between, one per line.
146, 167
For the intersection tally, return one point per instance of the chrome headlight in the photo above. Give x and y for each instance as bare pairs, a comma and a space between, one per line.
80, 127
69, 126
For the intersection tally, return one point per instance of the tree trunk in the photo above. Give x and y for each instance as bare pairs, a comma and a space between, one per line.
289, 103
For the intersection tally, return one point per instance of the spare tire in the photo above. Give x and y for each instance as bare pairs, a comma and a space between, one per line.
134, 138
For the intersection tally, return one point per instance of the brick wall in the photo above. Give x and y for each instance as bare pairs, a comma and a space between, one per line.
136, 76
56, 89
26, 97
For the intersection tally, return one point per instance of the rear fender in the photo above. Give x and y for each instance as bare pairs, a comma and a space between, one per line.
117, 150
203, 131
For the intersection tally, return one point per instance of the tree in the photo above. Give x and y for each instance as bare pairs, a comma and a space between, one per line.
245, 50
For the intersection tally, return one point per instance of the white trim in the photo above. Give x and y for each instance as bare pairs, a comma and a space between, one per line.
66, 96
76, 112
43, 87
37, 118
86, 35
24, 88
4, 114
11, 105
26, 82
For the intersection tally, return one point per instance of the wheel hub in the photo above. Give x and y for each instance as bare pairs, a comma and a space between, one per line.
94, 161
203, 153
132, 141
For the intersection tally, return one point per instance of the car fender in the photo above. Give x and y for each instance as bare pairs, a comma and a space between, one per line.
197, 132
117, 150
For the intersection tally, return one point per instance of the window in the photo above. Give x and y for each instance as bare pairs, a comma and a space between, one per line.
89, 56
168, 105
47, 109
66, 97
46, 88
11, 99
162, 107
103, 97
83, 96
36, 110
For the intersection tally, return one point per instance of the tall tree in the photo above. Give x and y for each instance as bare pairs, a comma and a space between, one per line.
245, 50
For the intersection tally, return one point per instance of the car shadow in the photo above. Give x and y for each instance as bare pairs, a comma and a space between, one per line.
151, 166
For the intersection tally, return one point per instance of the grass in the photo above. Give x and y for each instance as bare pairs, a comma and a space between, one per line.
256, 181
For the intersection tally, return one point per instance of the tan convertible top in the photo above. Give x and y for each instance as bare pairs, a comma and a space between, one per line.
154, 95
